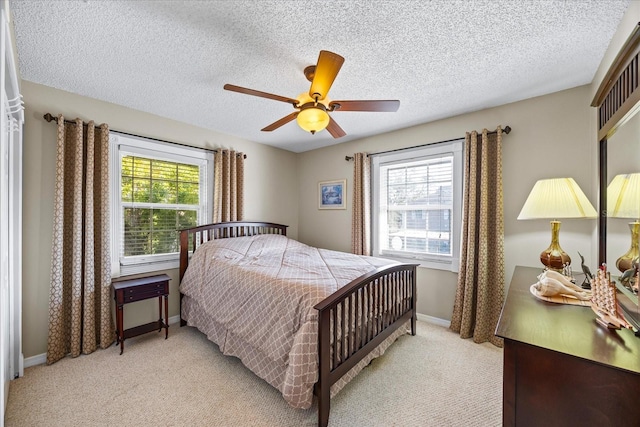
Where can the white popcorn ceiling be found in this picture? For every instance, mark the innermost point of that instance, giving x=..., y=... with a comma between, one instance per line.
x=440, y=58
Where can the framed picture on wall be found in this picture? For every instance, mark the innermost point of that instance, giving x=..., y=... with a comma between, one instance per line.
x=332, y=194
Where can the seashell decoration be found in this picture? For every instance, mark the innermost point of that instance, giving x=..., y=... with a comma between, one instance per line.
x=551, y=283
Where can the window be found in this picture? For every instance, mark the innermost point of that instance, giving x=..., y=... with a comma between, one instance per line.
x=156, y=189
x=417, y=199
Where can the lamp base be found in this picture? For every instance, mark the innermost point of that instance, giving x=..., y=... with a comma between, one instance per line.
x=554, y=258
x=625, y=262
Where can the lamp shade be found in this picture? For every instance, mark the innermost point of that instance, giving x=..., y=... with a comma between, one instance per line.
x=557, y=198
x=623, y=196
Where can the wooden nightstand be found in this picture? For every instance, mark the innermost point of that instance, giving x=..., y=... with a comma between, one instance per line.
x=132, y=290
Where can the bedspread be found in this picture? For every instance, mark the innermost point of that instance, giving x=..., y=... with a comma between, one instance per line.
x=261, y=290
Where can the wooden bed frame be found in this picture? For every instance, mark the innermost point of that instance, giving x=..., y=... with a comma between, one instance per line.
x=392, y=289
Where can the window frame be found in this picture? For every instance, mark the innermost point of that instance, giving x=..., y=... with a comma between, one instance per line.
x=121, y=145
x=455, y=148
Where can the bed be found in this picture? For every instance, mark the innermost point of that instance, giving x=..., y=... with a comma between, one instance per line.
x=306, y=320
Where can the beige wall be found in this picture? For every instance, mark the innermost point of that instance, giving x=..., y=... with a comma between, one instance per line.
x=563, y=116
x=551, y=137
x=269, y=174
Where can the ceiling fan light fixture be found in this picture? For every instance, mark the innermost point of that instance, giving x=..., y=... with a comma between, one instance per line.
x=313, y=117
x=312, y=108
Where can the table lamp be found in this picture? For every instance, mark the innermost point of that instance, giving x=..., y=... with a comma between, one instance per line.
x=556, y=198
x=623, y=201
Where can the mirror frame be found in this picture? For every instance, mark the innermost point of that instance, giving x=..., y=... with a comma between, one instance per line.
x=617, y=100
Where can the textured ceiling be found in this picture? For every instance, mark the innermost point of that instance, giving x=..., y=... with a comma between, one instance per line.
x=440, y=58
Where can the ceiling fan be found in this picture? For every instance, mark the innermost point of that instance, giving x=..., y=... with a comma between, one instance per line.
x=313, y=108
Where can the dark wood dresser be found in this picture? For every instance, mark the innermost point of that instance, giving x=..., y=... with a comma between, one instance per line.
x=560, y=367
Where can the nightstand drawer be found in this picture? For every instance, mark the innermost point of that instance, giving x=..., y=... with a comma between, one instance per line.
x=145, y=291
x=141, y=288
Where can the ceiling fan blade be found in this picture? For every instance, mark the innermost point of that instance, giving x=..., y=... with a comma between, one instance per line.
x=282, y=121
x=253, y=92
x=334, y=129
x=329, y=64
x=382, y=105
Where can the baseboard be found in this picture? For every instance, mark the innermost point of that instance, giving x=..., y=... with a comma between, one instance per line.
x=434, y=320
x=38, y=359
x=21, y=365
x=41, y=359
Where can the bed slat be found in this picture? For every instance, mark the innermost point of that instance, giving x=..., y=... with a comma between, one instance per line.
x=379, y=303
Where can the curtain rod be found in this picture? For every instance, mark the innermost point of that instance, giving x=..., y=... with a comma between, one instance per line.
x=49, y=118
x=507, y=130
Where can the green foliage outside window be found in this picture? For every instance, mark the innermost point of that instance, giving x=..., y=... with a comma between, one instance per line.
x=173, y=187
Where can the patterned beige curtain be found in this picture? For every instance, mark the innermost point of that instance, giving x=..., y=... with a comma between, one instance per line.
x=480, y=291
x=228, y=191
x=80, y=304
x=361, y=215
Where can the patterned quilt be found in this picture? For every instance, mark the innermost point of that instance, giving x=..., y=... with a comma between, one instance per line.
x=260, y=291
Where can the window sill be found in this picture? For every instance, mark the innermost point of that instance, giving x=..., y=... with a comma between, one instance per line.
x=446, y=265
x=127, y=270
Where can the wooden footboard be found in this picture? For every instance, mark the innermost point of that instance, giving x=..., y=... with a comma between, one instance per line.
x=356, y=319
x=351, y=322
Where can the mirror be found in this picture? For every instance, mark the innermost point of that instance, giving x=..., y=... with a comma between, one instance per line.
x=623, y=157
x=618, y=104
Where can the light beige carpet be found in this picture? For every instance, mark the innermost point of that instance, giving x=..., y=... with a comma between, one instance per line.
x=432, y=379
